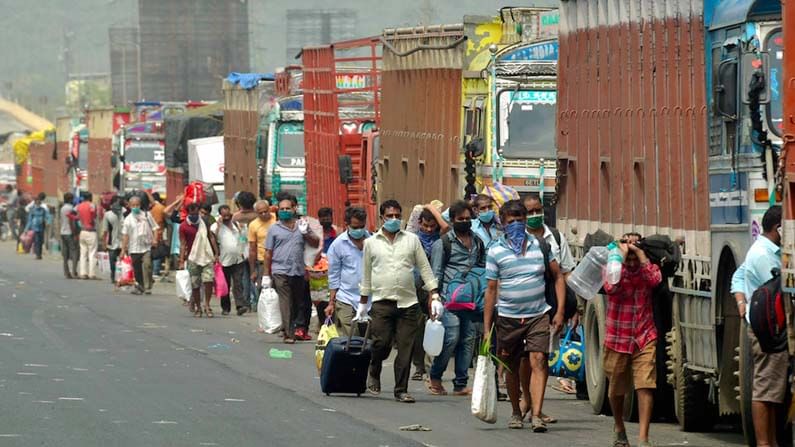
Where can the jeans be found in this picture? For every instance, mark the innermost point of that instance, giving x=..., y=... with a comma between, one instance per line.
x=70, y=254
x=142, y=267
x=156, y=265
x=235, y=280
x=389, y=324
x=459, y=342
x=38, y=241
x=88, y=253
x=113, y=257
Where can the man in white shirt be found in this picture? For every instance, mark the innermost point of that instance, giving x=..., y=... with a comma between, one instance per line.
x=138, y=238
x=388, y=262
x=230, y=239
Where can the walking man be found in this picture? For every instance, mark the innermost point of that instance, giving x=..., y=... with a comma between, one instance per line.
x=87, y=213
x=257, y=234
x=345, y=270
x=69, y=236
x=284, y=267
x=111, y=228
x=770, y=369
x=388, y=262
x=515, y=268
x=244, y=201
x=37, y=218
x=458, y=254
x=227, y=234
x=138, y=236
x=631, y=338
x=198, y=247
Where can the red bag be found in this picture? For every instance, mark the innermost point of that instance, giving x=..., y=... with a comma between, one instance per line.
x=27, y=240
x=221, y=287
x=124, y=270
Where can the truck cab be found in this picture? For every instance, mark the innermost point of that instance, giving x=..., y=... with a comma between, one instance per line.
x=285, y=161
x=141, y=153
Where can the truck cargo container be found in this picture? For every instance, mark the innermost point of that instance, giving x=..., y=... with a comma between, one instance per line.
x=654, y=136
x=206, y=164
x=342, y=112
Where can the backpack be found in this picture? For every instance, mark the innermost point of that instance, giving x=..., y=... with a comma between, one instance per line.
x=768, y=320
x=663, y=252
x=549, y=291
x=465, y=290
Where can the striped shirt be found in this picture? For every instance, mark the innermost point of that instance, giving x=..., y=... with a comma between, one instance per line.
x=521, y=278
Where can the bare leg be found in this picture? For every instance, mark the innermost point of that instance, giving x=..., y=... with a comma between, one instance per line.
x=617, y=405
x=538, y=380
x=524, y=381
x=512, y=382
x=195, y=300
x=208, y=293
x=645, y=407
x=762, y=425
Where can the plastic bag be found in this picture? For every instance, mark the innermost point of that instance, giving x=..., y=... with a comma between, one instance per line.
x=124, y=270
x=103, y=262
x=221, y=287
x=326, y=333
x=26, y=240
x=567, y=360
x=484, y=391
x=268, y=313
x=184, y=289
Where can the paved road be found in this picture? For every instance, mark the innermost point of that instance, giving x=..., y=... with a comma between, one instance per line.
x=82, y=365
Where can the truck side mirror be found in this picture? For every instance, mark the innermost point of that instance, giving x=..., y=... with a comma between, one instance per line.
x=755, y=64
x=346, y=169
x=726, y=89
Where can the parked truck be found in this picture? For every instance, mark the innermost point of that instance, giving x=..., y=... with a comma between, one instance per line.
x=342, y=112
x=655, y=134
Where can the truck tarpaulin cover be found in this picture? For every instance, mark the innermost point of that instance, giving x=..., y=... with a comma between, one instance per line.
x=249, y=80
x=180, y=129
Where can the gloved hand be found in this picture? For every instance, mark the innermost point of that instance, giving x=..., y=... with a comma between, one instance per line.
x=437, y=308
x=361, y=313
x=303, y=226
x=266, y=282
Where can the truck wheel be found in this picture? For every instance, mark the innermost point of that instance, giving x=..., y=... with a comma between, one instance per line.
x=692, y=407
x=746, y=370
x=594, y=336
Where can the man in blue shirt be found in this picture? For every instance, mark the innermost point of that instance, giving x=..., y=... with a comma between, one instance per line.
x=770, y=370
x=38, y=217
x=345, y=270
x=515, y=268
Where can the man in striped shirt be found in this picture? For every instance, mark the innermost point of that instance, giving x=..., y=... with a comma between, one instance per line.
x=515, y=268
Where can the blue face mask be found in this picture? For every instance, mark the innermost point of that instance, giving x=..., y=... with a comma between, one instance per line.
x=516, y=234
x=392, y=225
x=427, y=240
x=357, y=233
x=486, y=216
x=285, y=214
x=135, y=210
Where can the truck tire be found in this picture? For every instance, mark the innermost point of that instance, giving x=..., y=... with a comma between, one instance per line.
x=594, y=373
x=692, y=407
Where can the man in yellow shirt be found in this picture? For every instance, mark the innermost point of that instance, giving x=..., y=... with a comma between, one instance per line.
x=257, y=233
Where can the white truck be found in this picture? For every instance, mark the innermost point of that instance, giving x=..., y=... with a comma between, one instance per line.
x=206, y=164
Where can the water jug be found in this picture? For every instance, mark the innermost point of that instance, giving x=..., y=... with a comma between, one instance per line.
x=587, y=279
x=434, y=337
x=614, y=262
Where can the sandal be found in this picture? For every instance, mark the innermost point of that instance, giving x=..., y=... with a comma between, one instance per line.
x=516, y=422
x=418, y=376
x=197, y=313
x=548, y=419
x=209, y=312
x=405, y=398
x=620, y=439
x=538, y=425
x=374, y=386
x=436, y=390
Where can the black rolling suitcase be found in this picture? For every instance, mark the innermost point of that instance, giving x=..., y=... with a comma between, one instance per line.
x=345, y=363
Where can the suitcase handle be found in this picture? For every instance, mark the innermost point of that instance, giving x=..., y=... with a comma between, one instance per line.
x=355, y=322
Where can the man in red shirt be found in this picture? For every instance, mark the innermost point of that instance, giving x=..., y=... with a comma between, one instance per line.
x=631, y=338
x=87, y=216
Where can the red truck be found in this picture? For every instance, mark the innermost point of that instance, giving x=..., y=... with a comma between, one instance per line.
x=342, y=112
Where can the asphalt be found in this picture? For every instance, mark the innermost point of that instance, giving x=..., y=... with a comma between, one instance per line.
x=82, y=364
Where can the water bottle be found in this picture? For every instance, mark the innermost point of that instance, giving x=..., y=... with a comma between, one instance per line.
x=586, y=280
x=614, y=262
x=434, y=337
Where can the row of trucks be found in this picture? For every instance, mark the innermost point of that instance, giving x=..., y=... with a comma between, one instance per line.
x=636, y=116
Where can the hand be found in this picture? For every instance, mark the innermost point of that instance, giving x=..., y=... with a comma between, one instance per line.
x=623, y=247
x=575, y=321
x=266, y=282
x=557, y=322
x=741, y=308
x=361, y=313
x=330, y=309
x=437, y=309
x=303, y=226
x=122, y=254
x=254, y=275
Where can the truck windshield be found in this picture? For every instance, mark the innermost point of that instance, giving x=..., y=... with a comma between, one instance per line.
x=775, y=47
x=291, y=149
x=144, y=156
x=527, y=123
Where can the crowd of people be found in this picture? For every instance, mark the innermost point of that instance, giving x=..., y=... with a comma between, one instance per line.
x=397, y=278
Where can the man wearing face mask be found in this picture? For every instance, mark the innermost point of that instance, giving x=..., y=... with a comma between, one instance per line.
x=284, y=267
x=515, y=269
x=486, y=226
x=198, y=247
x=138, y=238
x=345, y=270
x=388, y=262
x=227, y=234
x=330, y=231
x=457, y=253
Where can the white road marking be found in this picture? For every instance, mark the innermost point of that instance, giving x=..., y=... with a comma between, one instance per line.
x=57, y=380
x=234, y=400
x=35, y=365
x=26, y=374
x=79, y=369
x=10, y=435
x=43, y=402
x=165, y=422
x=71, y=398
x=330, y=410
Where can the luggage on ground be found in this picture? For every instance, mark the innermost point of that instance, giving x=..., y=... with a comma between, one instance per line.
x=328, y=332
x=346, y=362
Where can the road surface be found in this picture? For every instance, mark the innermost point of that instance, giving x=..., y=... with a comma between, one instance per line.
x=84, y=365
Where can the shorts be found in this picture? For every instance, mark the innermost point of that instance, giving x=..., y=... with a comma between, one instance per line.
x=640, y=367
x=200, y=274
x=770, y=373
x=517, y=336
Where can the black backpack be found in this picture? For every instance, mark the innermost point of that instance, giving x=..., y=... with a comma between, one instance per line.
x=768, y=319
x=663, y=252
x=549, y=291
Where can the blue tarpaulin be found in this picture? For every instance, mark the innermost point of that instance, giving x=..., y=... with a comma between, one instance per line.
x=248, y=80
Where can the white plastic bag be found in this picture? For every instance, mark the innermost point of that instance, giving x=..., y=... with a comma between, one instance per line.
x=268, y=313
x=184, y=289
x=484, y=391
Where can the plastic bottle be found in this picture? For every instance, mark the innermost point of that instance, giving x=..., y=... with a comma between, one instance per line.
x=614, y=262
x=434, y=337
x=280, y=354
x=586, y=280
